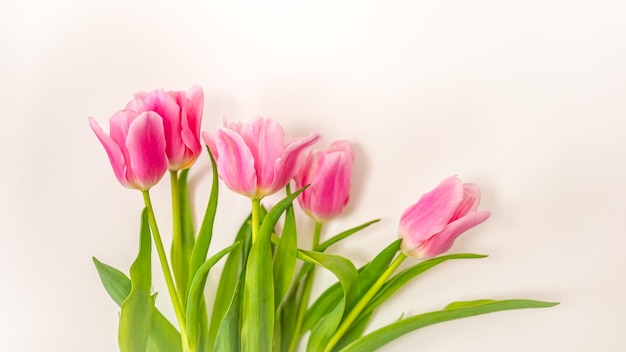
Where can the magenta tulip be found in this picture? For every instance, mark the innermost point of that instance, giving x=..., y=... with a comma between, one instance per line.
x=253, y=159
x=328, y=173
x=429, y=227
x=136, y=147
x=182, y=115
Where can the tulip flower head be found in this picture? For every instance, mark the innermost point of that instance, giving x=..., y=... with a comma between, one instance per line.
x=182, y=115
x=253, y=159
x=136, y=147
x=328, y=173
x=429, y=227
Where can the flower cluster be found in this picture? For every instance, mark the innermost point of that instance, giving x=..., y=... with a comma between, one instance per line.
x=263, y=299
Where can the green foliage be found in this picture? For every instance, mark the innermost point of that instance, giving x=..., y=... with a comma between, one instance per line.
x=138, y=307
x=378, y=338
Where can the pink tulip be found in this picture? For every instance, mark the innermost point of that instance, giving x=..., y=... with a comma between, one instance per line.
x=429, y=227
x=328, y=174
x=253, y=159
x=182, y=116
x=136, y=147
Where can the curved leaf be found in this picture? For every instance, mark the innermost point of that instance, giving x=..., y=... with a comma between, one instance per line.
x=347, y=274
x=138, y=307
x=258, y=292
x=163, y=335
x=378, y=338
x=195, y=296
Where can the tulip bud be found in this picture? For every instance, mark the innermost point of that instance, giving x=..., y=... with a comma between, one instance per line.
x=430, y=226
x=328, y=173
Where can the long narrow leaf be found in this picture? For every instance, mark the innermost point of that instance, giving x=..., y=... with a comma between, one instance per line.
x=367, y=276
x=138, y=307
x=380, y=337
x=163, y=335
x=258, y=292
x=400, y=279
x=226, y=287
x=227, y=337
x=196, y=290
x=201, y=247
x=285, y=258
x=324, y=245
x=187, y=235
x=347, y=275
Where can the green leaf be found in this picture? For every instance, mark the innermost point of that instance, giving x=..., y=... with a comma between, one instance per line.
x=380, y=337
x=258, y=292
x=400, y=279
x=116, y=283
x=163, y=335
x=183, y=234
x=195, y=296
x=138, y=307
x=285, y=258
x=367, y=276
x=228, y=338
x=356, y=331
x=463, y=304
x=226, y=287
x=201, y=247
x=324, y=245
x=288, y=314
x=347, y=275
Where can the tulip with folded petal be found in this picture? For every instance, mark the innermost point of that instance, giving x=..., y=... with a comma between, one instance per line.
x=135, y=146
x=182, y=115
x=430, y=226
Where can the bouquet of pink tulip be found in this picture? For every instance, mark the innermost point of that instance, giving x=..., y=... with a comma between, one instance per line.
x=263, y=300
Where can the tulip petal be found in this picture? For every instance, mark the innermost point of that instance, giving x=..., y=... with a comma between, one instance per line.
x=444, y=240
x=165, y=105
x=115, y=154
x=471, y=199
x=210, y=142
x=431, y=213
x=265, y=139
x=146, y=147
x=236, y=162
x=343, y=146
x=285, y=167
x=330, y=186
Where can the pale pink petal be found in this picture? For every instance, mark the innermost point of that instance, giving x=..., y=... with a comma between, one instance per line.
x=444, y=240
x=210, y=142
x=265, y=139
x=196, y=108
x=119, y=124
x=343, y=146
x=116, y=157
x=285, y=167
x=146, y=148
x=471, y=199
x=191, y=122
x=432, y=212
x=235, y=162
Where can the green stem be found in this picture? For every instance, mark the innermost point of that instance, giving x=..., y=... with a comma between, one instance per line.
x=178, y=265
x=256, y=223
x=306, y=293
x=166, y=271
x=316, y=235
x=363, y=302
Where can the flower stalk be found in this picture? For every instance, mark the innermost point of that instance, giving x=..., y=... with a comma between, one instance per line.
x=171, y=288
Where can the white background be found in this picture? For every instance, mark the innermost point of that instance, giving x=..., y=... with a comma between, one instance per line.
x=524, y=98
